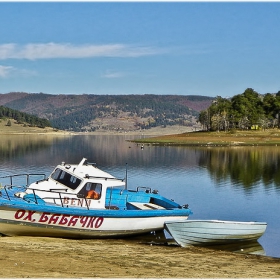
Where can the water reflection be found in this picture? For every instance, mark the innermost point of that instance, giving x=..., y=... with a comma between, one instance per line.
x=12, y=146
x=246, y=166
x=17, y=152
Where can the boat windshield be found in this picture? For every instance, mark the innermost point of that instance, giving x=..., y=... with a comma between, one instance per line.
x=65, y=178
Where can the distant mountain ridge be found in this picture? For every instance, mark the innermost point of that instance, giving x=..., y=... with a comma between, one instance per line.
x=89, y=112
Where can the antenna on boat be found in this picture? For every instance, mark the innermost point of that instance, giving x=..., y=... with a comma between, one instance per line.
x=126, y=176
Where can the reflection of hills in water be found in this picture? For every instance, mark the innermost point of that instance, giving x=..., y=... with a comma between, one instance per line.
x=246, y=165
x=243, y=166
x=118, y=150
x=12, y=146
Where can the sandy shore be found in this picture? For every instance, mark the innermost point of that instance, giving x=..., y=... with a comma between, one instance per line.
x=168, y=130
x=156, y=131
x=39, y=257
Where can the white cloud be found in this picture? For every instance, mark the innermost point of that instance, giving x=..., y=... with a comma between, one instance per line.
x=5, y=71
x=8, y=71
x=113, y=74
x=53, y=50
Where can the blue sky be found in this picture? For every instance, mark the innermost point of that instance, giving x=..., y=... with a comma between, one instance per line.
x=184, y=48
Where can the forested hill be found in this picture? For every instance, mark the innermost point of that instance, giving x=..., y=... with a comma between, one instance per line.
x=90, y=112
x=22, y=118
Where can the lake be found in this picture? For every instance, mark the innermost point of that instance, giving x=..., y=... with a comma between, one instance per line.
x=239, y=183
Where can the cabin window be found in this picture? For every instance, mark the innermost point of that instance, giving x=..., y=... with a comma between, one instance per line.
x=66, y=179
x=92, y=190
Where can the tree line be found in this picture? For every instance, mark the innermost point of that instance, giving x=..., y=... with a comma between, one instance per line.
x=89, y=112
x=23, y=118
x=155, y=110
x=249, y=110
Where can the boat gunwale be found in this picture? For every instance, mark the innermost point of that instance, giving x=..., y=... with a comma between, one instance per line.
x=219, y=221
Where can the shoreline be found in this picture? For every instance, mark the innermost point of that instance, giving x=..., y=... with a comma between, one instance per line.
x=43, y=257
x=50, y=131
x=270, y=137
x=176, y=136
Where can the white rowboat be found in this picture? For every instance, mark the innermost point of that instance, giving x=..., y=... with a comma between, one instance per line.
x=207, y=232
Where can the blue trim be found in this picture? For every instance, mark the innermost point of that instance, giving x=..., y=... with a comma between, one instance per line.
x=114, y=197
x=92, y=212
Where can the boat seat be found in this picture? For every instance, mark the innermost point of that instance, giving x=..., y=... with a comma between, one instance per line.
x=146, y=206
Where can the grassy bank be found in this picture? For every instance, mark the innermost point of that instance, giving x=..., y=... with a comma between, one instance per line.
x=15, y=128
x=233, y=138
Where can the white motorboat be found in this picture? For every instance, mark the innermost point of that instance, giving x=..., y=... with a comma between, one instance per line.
x=82, y=201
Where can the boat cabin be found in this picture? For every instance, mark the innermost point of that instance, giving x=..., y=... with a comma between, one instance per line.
x=76, y=185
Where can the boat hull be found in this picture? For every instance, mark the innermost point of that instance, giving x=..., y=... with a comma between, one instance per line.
x=207, y=232
x=20, y=222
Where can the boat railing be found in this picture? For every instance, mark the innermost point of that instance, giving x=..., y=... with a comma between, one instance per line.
x=34, y=195
x=5, y=190
x=81, y=200
x=59, y=200
x=146, y=189
x=8, y=187
x=105, y=178
x=59, y=197
x=27, y=177
x=110, y=203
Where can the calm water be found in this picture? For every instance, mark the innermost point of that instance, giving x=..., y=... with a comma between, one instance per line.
x=241, y=183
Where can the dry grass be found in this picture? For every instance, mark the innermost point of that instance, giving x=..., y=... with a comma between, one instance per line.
x=16, y=128
x=233, y=138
